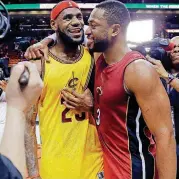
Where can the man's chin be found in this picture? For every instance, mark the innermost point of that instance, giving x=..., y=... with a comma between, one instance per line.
x=100, y=46
x=78, y=41
x=71, y=40
x=97, y=50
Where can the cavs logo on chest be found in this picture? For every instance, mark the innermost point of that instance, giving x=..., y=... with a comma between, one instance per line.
x=73, y=82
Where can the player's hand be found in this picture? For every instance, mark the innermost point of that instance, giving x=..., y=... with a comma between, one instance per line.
x=80, y=102
x=37, y=51
x=158, y=66
x=23, y=99
x=3, y=85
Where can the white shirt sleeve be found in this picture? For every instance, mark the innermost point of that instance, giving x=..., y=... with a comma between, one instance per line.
x=53, y=37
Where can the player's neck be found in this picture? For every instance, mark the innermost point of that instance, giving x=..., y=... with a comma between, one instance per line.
x=64, y=53
x=62, y=47
x=116, y=52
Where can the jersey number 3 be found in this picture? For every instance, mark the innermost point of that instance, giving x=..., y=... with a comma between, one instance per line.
x=77, y=116
x=98, y=117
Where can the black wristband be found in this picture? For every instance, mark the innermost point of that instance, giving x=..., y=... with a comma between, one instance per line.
x=170, y=78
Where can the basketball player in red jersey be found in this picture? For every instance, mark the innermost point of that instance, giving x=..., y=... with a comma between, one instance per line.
x=130, y=102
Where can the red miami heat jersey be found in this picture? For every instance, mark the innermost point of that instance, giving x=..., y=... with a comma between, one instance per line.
x=128, y=146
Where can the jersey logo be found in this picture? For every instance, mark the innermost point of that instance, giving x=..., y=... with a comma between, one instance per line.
x=72, y=83
x=99, y=91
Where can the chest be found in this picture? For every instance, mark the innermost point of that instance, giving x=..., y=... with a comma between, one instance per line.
x=109, y=86
x=58, y=75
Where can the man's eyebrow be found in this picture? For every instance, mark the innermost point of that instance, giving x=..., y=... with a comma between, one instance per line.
x=67, y=15
x=71, y=15
x=92, y=21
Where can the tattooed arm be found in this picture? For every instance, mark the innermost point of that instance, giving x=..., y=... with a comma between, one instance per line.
x=18, y=103
x=31, y=143
x=30, y=137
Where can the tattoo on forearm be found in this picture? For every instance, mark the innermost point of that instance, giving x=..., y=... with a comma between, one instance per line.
x=31, y=143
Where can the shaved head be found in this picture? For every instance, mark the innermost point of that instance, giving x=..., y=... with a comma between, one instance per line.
x=175, y=40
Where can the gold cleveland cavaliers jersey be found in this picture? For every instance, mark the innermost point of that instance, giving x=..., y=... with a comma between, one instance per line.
x=70, y=145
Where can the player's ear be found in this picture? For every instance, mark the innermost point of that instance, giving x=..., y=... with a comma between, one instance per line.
x=115, y=30
x=53, y=25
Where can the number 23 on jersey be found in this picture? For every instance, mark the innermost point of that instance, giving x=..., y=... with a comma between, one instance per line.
x=78, y=117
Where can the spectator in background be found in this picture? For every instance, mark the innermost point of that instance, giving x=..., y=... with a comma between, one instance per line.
x=171, y=84
x=12, y=152
x=171, y=77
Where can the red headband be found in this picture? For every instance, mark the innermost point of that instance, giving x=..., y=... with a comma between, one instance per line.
x=62, y=6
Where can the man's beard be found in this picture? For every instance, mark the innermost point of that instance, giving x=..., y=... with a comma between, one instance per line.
x=100, y=45
x=68, y=41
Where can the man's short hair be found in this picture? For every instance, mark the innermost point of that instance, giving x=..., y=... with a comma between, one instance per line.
x=115, y=13
x=175, y=40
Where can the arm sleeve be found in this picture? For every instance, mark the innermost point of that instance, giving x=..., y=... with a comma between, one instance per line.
x=8, y=170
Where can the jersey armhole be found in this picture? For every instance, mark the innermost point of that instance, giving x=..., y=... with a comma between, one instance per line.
x=126, y=89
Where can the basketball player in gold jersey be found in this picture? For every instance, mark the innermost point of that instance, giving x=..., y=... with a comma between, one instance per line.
x=70, y=146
